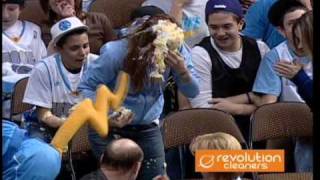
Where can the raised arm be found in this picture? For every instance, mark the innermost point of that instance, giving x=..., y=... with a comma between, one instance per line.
x=183, y=72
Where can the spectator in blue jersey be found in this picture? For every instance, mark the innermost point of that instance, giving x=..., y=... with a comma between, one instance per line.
x=258, y=25
x=24, y=157
x=302, y=36
x=268, y=83
x=269, y=86
x=53, y=82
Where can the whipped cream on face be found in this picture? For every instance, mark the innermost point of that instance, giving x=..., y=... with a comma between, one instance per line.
x=169, y=37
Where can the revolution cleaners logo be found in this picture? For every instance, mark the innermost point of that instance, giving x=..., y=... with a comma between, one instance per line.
x=240, y=161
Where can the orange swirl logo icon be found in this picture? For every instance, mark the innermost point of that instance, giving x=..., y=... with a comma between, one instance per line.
x=206, y=161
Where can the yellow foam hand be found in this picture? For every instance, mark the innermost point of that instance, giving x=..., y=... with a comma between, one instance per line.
x=94, y=114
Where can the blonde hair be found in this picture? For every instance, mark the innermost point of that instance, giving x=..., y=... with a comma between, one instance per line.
x=305, y=25
x=217, y=140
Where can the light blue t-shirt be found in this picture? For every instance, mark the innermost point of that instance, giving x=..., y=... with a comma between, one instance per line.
x=146, y=105
x=267, y=80
x=258, y=25
x=24, y=156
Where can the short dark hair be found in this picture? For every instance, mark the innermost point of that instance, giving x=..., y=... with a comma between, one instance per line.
x=121, y=160
x=64, y=38
x=280, y=8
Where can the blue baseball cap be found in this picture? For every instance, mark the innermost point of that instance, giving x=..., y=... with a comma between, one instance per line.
x=232, y=6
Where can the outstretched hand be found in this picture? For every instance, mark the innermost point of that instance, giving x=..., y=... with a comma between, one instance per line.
x=121, y=119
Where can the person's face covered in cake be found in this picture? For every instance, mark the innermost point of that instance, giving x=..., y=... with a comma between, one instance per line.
x=153, y=47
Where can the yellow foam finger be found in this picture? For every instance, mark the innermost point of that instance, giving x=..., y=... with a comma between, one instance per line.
x=94, y=114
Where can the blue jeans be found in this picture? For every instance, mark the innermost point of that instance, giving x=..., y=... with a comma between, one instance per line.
x=149, y=139
x=303, y=154
x=27, y=158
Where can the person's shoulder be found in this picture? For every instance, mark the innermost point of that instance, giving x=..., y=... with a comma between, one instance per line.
x=271, y=55
x=32, y=25
x=249, y=39
x=116, y=46
x=45, y=64
x=198, y=49
x=92, y=57
x=200, y=55
x=262, y=45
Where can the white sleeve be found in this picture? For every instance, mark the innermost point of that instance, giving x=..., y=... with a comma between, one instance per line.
x=43, y=49
x=38, y=91
x=263, y=48
x=41, y=46
x=39, y=49
x=202, y=64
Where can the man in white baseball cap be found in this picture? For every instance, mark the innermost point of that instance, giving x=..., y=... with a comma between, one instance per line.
x=52, y=86
x=66, y=26
x=52, y=89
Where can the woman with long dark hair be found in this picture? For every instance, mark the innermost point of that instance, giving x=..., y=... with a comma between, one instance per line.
x=148, y=55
